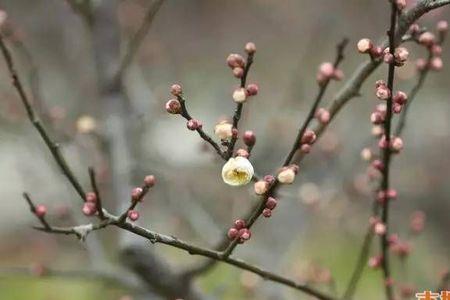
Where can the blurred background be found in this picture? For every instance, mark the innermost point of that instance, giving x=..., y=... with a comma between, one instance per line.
x=316, y=231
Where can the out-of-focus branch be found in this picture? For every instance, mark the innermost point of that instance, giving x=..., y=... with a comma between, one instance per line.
x=138, y=37
x=52, y=146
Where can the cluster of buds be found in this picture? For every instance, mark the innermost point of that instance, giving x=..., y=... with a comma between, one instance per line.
x=323, y=116
x=308, y=139
x=239, y=67
x=173, y=106
x=90, y=204
x=432, y=43
x=399, y=58
x=239, y=231
x=395, y=144
x=287, y=174
x=271, y=203
x=399, y=101
x=327, y=72
x=383, y=196
x=138, y=193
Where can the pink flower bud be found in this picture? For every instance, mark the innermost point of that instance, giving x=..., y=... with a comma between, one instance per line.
x=414, y=28
x=91, y=197
x=239, y=224
x=149, y=181
x=238, y=72
x=286, y=175
x=364, y=45
x=338, y=74
x=271, y=203
x=436, y=50
x=396, y=144
x=89, y=209
x=326, y=71
x=261, y=187
x=252, y=89
x=442, y=26
x=401, y=56
x=249, y=138
x=309, y=137
x=194, y=124
x=250, y=48
x=427, y=39
x=136, y=194
x=242, y=152
x=382, y=143
x=305, y=148
x=269, y=179
x=393, y=238
x=400, y=98
x=176, y=90
x=383, y=92
x=267, y=213
x=379, y=229
x=380, y=83
x=235, y=60
x=232, y=233
x=391, y=194
x=40, y=211
x=377, y=117
x=133, y=215
x=376, y=52
x=245, y=234
x=375, y=262
x=436, y=64
x=173, y=106
x=323, y=115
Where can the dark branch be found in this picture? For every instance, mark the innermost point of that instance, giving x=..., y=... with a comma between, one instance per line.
x=94, y=185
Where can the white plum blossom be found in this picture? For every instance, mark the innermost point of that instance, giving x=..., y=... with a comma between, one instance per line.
x=237, y=171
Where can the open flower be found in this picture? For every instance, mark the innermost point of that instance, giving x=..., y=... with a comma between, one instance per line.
x=237, y=171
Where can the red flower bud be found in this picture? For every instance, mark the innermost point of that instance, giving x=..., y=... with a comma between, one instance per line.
x=133, y=215
x=249, y=138
x=41, y=210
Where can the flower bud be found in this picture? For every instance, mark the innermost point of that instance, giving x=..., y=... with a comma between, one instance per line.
x=249, y=138
x=267, y=213
x=223, y=130
x=250, y=48
x=382, y=143
x=401, y=4
x=388, y=58
x=149, y=181
x=232, y=233
x=366, y=154
x=378, y=164
x=239, y=224
x=91, y=197
x=377, y=117
x=391, y=194
x=401, y=56
x=245, y=234
x=40, y=210
x=237, y=171
x=379, y=228
x=194, y=124
x=377, y=130
x=427, y=39
x=305, y=148
x=89, y=209
x=436, y=50
x=235, y=60
x=400, y=98
x=397, y=108
x=364, y=45
x=238, y=72
x=375, y=262
x=261, y=187
x=323, y=115
x=309, y=137
x=414, y=28
x=133, y=215
x=269, y=179
x=383, y=92
x=286, y=175
x=136, y=194
x=176, y=90
x=421, y=64
x=252, y=89
x=396, y=144
x=271, y=203
x=240, y=95
x=376, y=52
x=338, y=74
x=173, y=106
x=436, y=64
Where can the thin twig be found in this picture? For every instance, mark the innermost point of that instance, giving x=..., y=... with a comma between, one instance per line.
x=239, y=106
x=385, y=264
x=52, y=146
x=138, y=37
x=98, y=201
